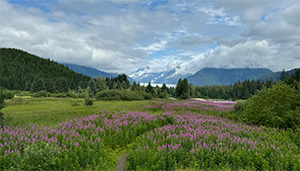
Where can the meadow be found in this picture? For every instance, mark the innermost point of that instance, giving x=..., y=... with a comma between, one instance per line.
x=64, y=134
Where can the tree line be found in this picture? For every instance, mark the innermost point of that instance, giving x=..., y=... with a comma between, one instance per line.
x=239, y=90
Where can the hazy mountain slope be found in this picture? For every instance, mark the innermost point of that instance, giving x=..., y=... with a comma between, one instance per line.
x=214, y=76
x=274, y=76
x=92, y=72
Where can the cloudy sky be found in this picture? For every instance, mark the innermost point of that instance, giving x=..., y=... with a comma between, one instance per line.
x=124, y=35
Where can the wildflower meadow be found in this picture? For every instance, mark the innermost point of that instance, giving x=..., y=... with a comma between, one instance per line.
x=176, y=139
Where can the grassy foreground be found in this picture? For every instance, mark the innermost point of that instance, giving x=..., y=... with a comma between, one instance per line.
x=64, y=134
x=51, y=111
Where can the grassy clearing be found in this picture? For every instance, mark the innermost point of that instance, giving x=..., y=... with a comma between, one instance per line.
x=50, y=111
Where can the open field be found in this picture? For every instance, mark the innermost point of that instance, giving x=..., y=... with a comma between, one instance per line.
x=51, y=111
x=156, y=135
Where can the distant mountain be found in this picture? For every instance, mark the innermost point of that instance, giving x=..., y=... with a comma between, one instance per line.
x=92, y=72
x=274, y=76
x=214, y=76
x=144, y=75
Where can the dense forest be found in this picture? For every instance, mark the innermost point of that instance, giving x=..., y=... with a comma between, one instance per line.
x=20, y=70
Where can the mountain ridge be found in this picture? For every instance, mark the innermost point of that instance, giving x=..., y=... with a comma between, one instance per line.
x=92, y=72
x=222, y=76
x=145, y=75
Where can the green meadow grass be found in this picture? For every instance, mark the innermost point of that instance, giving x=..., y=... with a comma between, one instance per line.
x=51, y=111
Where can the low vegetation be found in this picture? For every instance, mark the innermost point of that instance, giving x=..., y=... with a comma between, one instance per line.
x=186, y=135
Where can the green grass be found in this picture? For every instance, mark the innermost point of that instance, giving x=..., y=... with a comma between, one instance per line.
x=51, y=111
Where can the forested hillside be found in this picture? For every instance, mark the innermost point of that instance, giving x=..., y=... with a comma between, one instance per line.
x=20, y=70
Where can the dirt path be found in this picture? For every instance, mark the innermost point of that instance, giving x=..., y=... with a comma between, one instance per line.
x=121, y=163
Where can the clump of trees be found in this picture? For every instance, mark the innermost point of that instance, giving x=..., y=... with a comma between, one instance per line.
x=182, y=89
x=278, y=106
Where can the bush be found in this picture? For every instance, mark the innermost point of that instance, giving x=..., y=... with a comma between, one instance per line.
x=8, y=94
x=275, y=107
x=60, y=95
x=109, y=95
x=88, y=102
x=122, y=95
x=41, y=94
x=1, y=106
x=239, y=108
x=39, y=156
x=75, y=104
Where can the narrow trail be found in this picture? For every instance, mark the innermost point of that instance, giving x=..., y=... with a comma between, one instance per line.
x=121, y=162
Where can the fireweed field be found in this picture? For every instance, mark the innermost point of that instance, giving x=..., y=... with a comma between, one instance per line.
x=187, y=135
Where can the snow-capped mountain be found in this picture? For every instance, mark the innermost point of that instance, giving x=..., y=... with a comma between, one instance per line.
x=146, y=74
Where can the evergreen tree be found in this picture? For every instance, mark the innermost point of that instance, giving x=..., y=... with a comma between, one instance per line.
x=182, y=89
x=92, y=86
x=149, y=89
x=116, y=85
x=164, y=88
x=178, y=91
x=124, y=85
x=134, y=86
x=28, y=85
x=61, y=85
x=101, y=83
x=38, y=85
x=283, y=75
x=80, y=92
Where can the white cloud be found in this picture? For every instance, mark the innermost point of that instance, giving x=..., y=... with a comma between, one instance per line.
x=120, y=35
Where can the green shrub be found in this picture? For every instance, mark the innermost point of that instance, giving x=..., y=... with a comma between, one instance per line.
x=146, y=96
x=8, y=94
x=75, y=104
x=109, y=95
x=239, y=108
x=122, y=95
x=275, y=107
x=72, y=94
x=39, y=156
x=60, y=95
x=41, y=94
x=88, y=102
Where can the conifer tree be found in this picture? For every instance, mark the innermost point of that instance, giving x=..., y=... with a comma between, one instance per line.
x=92, y=86
x=101, y=83
x=182, y=89
x=61, y=85
x=149, y=89
x=38, y=85
x=28, y=85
